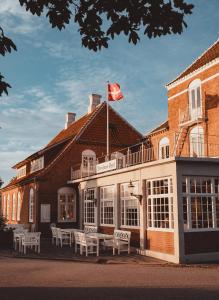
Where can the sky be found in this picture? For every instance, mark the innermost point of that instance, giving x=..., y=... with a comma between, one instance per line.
x=52, y=74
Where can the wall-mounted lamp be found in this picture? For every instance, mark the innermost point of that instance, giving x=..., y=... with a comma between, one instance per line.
x=131, y=192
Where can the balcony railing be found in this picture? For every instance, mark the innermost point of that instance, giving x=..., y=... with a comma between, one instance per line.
x=139, y=154
x=187, y=116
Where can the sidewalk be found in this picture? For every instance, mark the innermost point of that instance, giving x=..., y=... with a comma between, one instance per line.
x=52, y=252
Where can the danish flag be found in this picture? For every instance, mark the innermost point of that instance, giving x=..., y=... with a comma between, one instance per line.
x=114, y=92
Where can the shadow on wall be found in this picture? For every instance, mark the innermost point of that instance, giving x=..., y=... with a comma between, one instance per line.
x=212, y=101
x=99, y=293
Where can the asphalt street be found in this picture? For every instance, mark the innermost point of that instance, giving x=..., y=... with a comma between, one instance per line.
x=26, y=279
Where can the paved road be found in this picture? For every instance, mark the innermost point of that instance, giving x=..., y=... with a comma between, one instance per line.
x=23, y=279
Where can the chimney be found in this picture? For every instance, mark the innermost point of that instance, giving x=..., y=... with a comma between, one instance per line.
x=94, y=102
x=70, y=118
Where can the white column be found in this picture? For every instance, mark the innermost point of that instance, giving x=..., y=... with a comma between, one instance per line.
x=81, y=207
x=143, y=215
x=117, y=215
x=97, y=208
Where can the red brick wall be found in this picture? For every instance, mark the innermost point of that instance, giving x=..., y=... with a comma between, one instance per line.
x=201, y=242
x=160, y=241
x=106, y=230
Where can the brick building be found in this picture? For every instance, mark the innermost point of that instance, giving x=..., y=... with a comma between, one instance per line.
x=173, y=212
x=39, y=194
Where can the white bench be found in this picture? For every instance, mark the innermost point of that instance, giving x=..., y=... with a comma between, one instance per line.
x=121, y=241
x=90, y=229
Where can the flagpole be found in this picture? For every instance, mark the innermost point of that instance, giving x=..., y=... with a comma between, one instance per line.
x=107, y=122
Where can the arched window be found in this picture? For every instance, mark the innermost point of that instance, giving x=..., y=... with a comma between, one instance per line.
x=13, y=213
x=18, y=206
x=195, y=103
x=31, y=204
x=196, y=139
x=120, y=158
x=88, y=161
x=164, y=148
x=66, y=205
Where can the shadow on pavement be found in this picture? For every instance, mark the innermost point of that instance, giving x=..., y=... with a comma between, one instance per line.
x=61, y=293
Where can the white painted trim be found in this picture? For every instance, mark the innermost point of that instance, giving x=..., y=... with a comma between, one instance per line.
x=178, y=94
x=186, y=90
x=159, y=255
x=192, y=74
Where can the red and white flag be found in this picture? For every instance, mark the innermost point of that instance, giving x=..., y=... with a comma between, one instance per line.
x=114, y=92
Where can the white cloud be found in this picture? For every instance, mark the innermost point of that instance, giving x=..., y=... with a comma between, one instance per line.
x=16, y=19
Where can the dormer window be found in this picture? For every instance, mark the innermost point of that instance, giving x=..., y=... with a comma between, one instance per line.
x=164, y=148
x=88, y=161
x=37, y=164
x=21, y=172
x=195, y=105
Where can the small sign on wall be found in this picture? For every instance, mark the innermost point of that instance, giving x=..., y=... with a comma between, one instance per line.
x=106, y=166
x=45, y=213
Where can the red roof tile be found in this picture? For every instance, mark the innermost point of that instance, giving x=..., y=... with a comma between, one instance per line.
x=209, y=55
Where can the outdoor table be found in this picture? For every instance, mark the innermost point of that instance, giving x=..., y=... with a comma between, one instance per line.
x=99, y=236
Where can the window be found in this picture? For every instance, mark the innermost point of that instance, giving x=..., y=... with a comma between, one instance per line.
x=4, y=207
x=160, y=204
x=21, y=172
x=45, y=213
x=8, y=207
x=89, y=206
x=88, y=161
x=37, y=164
x=66, y=205
x=18, y=206
x=164, y=148
x=13, y=213
x=195, y=106
x=200, y=203
x=196, y=138
x=31, y=204
x=107, y=205
x=130, y=207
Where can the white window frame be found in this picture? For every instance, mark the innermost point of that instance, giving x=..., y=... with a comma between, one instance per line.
x=37, y=164
x=4, y=207
x=8, y=207
x=196, y=141
x=155, y=192
x=195, y=99
x=213, y=193
x=67, y=192
x=31, y=205
x=18, y=206
x=88, y=161
x=90, y=196
x=164, y=148
x=125, y=201
x=22, y=171
x=13, y=213
x=107, y=201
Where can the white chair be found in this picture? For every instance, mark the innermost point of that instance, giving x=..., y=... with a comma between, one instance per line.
x=88, y=244
x=17, y=235
x=90, y=229
x=121, y=241
x=63, y=237
x=30, y=240
x=33, y=227
x=54, y=235
x=77, y=238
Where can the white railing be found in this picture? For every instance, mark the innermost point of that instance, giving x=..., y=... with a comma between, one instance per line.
x=126, y=160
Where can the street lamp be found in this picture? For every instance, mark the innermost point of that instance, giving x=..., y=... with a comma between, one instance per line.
x=131, y=192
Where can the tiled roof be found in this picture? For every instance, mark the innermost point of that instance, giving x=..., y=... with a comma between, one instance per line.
x=209, y=55
x=62, y=136
x=16, y=181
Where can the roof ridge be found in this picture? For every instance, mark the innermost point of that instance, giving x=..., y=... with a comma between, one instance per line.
x=199, y=57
